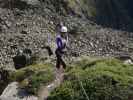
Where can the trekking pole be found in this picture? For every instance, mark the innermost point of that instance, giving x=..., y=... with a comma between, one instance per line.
x=49, y=39
x=82, y=87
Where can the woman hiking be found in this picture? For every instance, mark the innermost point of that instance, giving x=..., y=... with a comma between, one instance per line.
x=61, y=41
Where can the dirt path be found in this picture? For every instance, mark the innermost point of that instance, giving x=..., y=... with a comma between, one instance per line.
x=45, y=90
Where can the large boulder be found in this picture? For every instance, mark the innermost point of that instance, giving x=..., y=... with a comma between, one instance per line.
x=3, y=74
x=13, y=92
x=23, y=59
x=124, y=57
x=4, y=79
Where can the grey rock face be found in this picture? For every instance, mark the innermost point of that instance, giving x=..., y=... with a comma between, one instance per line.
x=13, y=92
x=29, y=28
x=32, y=2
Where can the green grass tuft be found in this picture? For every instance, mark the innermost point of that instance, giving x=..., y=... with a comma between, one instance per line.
x=105, y=79
x=32, y=77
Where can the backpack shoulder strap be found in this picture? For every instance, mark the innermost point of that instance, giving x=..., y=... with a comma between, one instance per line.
x=59, y=41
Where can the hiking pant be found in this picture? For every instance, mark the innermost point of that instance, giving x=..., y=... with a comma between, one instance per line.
x=59, y=60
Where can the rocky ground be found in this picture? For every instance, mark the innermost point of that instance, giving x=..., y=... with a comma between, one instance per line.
x=31, y=27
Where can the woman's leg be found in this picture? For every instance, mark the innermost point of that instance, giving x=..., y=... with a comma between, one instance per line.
x=58, y=63
x=63, y=63
x=57, y=52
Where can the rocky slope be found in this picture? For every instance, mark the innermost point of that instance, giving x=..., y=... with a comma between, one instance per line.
x=26, y=24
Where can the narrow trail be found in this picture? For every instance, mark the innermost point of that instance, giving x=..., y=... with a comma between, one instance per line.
x=46, y=90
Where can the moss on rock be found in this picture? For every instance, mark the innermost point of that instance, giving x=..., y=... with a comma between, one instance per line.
x=32, y=77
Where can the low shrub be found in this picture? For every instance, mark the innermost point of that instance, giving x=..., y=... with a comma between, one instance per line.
x=32, y=77
x=106, y=79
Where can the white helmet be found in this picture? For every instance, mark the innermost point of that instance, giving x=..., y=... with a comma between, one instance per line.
x=20, y=52
x=63, y=29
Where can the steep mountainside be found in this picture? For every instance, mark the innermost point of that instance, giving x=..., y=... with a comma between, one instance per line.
x=28, y=24
x=117, y=14
x=110, y=13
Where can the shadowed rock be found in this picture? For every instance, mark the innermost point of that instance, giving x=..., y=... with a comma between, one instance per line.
x=22, y=59
x=13, y=92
